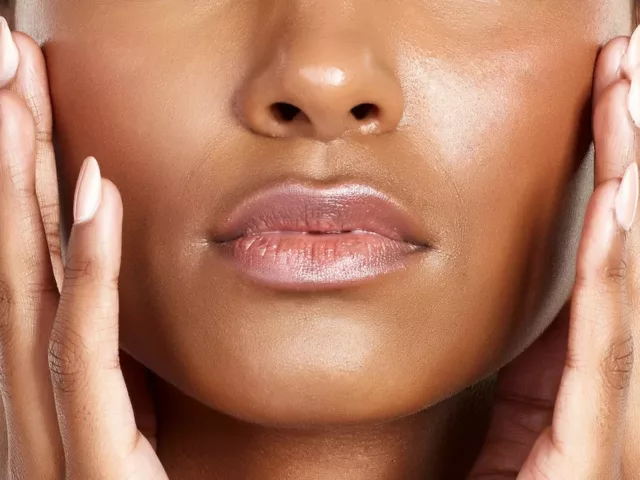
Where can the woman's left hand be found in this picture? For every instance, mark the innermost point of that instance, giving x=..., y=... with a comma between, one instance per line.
x=66, y=410
x=569, y=407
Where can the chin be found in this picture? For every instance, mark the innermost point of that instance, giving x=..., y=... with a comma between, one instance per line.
x=339, y=373
x=300, y=400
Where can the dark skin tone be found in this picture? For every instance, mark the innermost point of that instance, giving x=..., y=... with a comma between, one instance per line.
x=359, y=383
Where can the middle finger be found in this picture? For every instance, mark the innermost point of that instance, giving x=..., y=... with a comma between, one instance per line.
x=28, y=299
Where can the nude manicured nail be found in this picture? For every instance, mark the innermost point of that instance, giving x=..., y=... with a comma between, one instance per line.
x=627, y=198
x=633, y=99
x=631, y=58
x=9, y=56
x=88, y=191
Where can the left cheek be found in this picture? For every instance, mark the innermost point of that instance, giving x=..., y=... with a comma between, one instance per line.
x=524, y=135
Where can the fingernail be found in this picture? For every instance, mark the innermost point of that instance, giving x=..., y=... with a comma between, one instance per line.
x=633, y=99
x=627, y=197
x=88, y=191
x=9, y=56
x=631, y=58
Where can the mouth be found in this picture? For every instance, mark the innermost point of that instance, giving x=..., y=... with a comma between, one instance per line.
x=295, y=237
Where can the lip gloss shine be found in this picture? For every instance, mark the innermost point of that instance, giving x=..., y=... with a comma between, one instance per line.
x=295, y=237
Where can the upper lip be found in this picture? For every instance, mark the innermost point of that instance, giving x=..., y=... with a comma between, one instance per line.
x=295, y=207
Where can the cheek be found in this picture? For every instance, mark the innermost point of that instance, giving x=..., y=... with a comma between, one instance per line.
x=507, y=131
x=143, y=109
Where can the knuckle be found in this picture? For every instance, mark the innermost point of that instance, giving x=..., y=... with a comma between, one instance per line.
x=89, y=271
x=55, y=246
x=616, y=273
x=617, y=364
x=42, y=136
x=68, y=360
x=85, y=270
x=610, y=278
x=50, y=212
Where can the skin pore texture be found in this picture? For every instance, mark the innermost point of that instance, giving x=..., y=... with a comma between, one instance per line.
x=478, y=129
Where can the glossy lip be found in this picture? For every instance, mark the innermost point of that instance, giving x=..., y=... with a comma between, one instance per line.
x=297, y=237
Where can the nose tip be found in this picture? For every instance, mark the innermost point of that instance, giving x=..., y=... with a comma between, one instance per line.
x=324, y=97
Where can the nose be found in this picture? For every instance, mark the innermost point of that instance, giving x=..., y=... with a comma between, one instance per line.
x=323, y=90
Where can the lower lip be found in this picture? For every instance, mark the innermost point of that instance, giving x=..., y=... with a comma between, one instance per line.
x=301, y=261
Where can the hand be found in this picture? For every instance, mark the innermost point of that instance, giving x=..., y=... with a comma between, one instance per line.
x=67, y=410
x=569, y=407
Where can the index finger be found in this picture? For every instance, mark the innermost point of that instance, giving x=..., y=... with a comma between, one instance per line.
x=95, y=414
x=585, y=437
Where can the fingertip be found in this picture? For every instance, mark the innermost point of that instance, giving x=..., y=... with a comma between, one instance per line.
x=97, y=200
x=613, y=132
x=611, y=107
x=609, y=65
x=631, y=58
x=601, y=246
x=98, y=239
x=109, y=224
x=88, y=193
x=626, y=202
x=26, y=44
x=111, y=192
x=31, y=58
x=31, y=82
x=111, y=201
x=105, y=204
x=9, y=55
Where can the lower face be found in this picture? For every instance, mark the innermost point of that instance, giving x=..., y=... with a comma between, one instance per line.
x=494, y=102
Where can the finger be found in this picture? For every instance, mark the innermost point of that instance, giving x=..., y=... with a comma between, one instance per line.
x=585, y=440
x=32, y=85
x=523, y=403
x=28, y=300
x=627, y=149
x=94, y=410
x=613, y=133
x=608, y=65
x=9, y=58
x=631, y=57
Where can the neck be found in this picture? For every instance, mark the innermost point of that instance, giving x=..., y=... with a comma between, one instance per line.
x=439, y=442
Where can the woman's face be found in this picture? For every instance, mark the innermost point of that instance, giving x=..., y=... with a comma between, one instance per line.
x=472, y=119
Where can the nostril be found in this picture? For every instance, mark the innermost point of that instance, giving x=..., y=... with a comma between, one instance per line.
x=365, y=111
x=285, y=112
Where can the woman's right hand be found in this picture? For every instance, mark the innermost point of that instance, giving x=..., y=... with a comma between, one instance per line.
x=67, y=410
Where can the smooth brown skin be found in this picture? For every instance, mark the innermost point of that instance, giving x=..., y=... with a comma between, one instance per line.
x=495, y=126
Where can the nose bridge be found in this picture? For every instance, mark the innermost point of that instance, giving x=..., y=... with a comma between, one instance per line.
x=322, y=78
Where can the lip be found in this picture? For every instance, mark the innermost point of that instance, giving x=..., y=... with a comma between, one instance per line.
x=297, y=237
